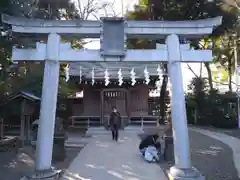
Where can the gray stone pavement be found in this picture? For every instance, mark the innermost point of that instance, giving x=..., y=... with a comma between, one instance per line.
x=104, y=159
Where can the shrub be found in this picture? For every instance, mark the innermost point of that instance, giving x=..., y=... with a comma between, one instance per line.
x=210, y=108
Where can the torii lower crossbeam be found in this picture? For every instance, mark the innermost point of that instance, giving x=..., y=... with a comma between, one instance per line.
x=67, y=54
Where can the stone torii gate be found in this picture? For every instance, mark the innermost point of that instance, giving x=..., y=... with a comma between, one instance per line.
x=113, y=32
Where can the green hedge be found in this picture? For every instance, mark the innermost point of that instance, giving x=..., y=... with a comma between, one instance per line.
x=214, y=109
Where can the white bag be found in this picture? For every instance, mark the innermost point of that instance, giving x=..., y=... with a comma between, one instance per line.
x=148, y=157
x=151, y=154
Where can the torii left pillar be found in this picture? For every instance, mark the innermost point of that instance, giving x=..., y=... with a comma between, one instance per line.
x=45, y=135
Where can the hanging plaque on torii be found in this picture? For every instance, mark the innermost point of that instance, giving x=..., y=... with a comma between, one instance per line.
x=112, y=37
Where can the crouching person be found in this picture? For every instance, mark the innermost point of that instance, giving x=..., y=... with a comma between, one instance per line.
x=150, y=148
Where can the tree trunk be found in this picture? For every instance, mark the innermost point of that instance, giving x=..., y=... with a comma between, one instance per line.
x=168, y=131
x=196, y=116
x=1, y=128
x=201, y=67
x=230, y=84
x=229, y=76
x=210, y=81
x=162, y=102
x=230, y=70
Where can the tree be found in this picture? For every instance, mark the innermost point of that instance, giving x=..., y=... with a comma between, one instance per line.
x=224, y=55
x=29, y=76
x=5, y=52
x=234, y=3
x=198, y=88
x=184, y=10
x=220, y=75
x=89, y=9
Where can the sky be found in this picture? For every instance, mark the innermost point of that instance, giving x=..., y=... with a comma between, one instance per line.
x=117, y=9
x=128, y=5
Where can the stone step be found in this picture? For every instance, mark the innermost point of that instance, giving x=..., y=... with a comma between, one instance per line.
x=97, y=132
x=102, y=131
x=76, y=142
x=74, y=145
x=134, y=129
x=79, y=139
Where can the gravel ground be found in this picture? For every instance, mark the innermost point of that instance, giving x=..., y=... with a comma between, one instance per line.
x=211, y=157
x=14, y=166
x=235, y=133
x=230, y=132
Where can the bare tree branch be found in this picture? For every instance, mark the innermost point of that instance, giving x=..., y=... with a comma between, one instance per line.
x=92, y=9
x=189, y=67
x=80, y=8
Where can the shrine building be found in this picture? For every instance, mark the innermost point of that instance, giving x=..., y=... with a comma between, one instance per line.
x=93, y=102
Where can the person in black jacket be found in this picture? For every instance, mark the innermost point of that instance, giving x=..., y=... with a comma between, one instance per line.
x=115, y=123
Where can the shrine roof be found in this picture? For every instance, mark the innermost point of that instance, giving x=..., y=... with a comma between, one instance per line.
x=24, y=95
x=113, y=68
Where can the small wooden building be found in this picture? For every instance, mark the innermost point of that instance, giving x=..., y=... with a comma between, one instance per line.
x=92, y=104
x=19, y=111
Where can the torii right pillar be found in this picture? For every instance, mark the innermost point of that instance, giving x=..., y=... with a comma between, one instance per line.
x=182, y=170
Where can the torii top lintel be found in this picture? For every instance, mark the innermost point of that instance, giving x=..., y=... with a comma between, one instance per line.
x=132, y=29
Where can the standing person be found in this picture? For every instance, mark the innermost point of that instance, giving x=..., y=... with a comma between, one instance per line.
x=115, y=123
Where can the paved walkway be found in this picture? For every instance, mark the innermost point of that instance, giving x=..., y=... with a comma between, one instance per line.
x=232, y=142
x=104, y=159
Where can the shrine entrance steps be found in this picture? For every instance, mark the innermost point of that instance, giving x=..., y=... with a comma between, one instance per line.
x=93, y=123
x=133, y=125
x=83, y=122
x=75, y=140
x=93, y=131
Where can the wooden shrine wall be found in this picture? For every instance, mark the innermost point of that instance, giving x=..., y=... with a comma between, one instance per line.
x=115, y=98
x=139, y=100
x=90, y=105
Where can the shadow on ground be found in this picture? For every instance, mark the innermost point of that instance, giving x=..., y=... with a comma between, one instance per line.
x=14, y=166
